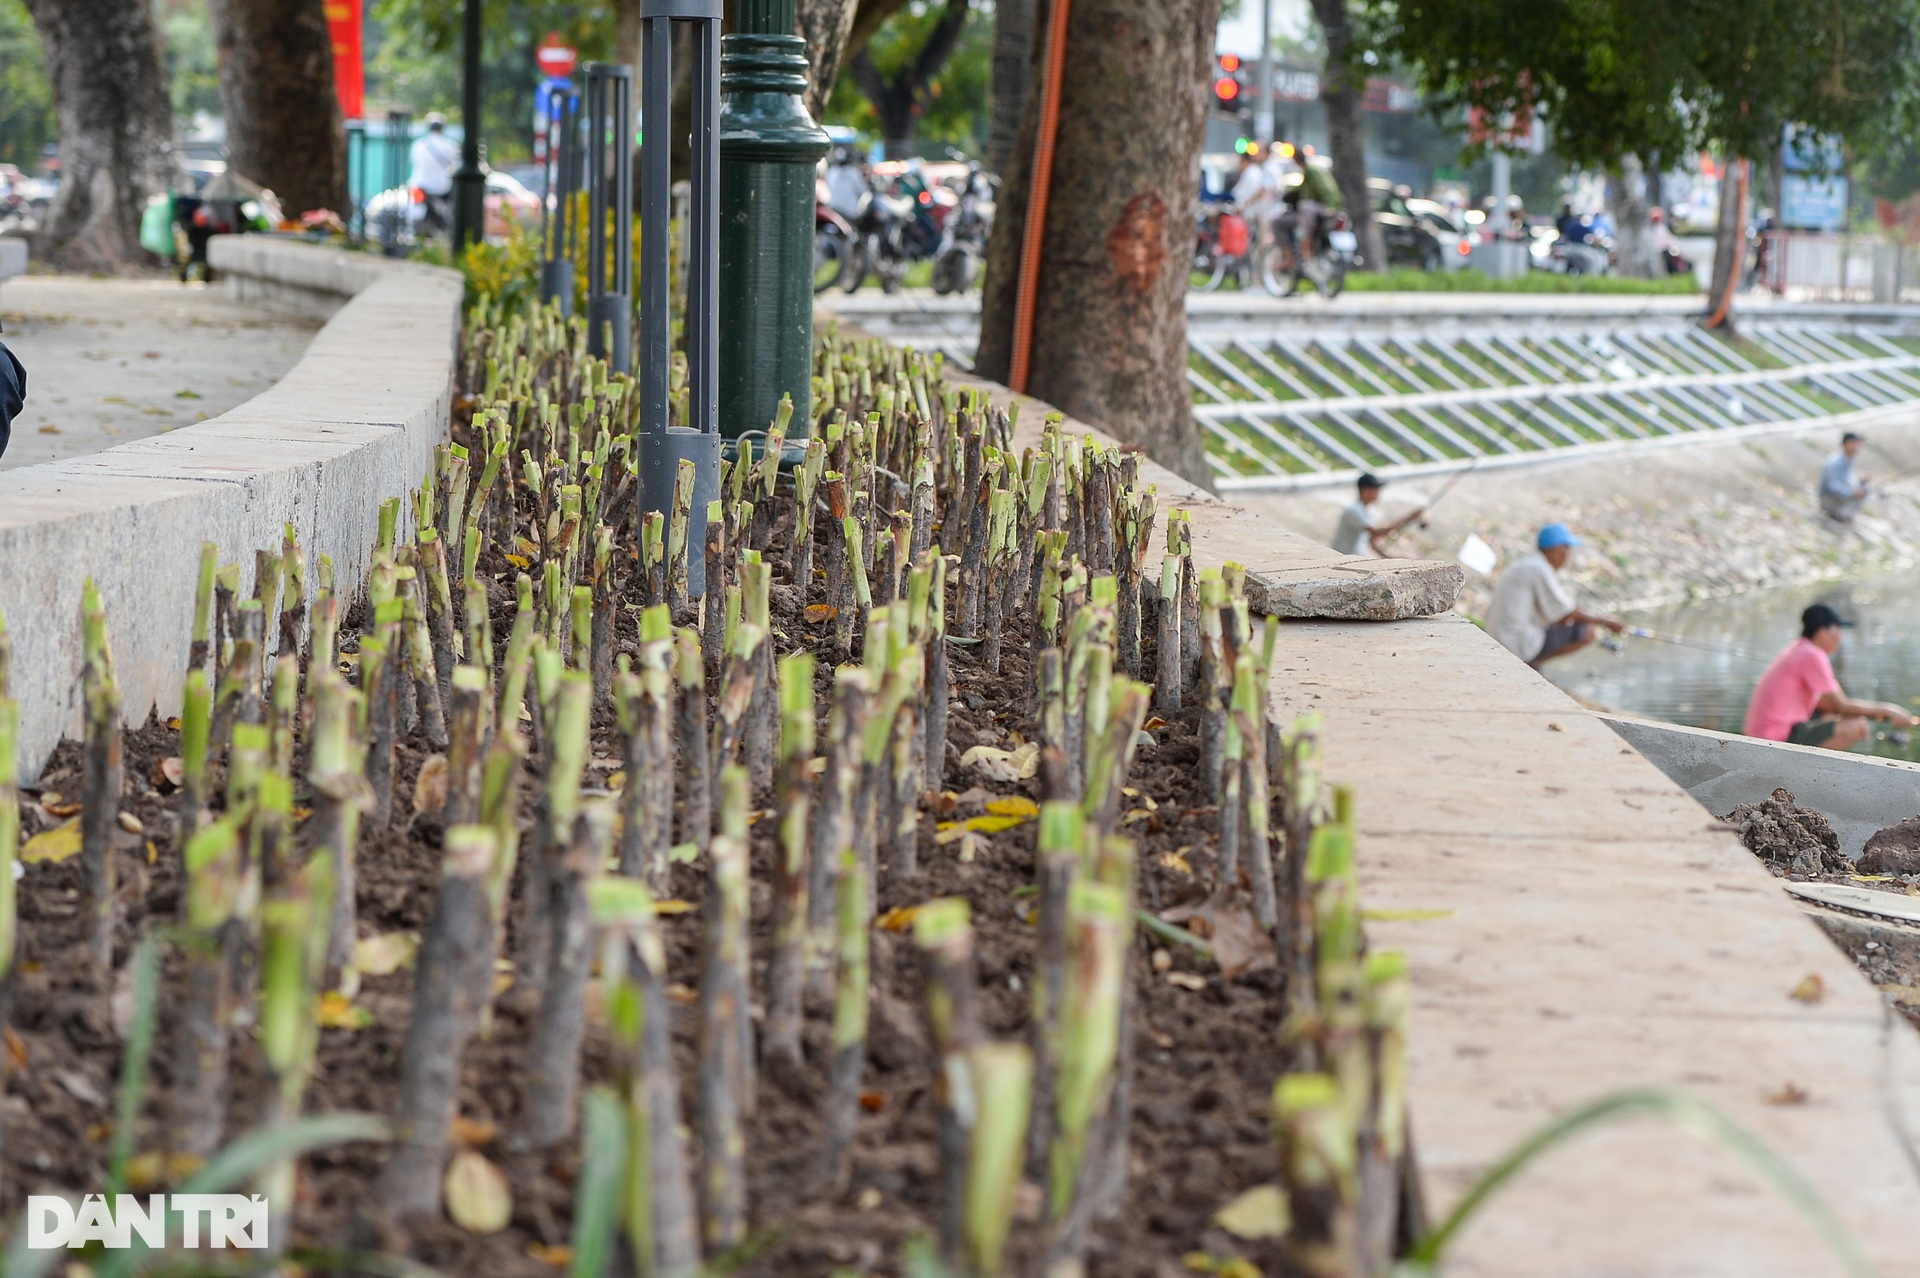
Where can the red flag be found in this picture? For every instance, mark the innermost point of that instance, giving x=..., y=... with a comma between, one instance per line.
x=343, y=25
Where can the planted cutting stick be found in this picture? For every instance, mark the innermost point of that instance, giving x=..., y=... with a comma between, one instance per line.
x=209, y=940
x=479, y=622
x=851, y=993
x=453, y=956
x=466, y=757
x=103, y=780
x=693, y=791
x=1303, y=807
x=1110, y=756
x=943, y=930
x=379, y=710
x=763, y=709
x=806, y=483
x=736, y=697
x=939, y=677
x=293, y=952
x=238, y=695
x=787, y=960
x=340, y=794
x=565, y=757
x=1062, y=826
x=830, y=830
x=426, y=686
x=1214, y=683
x=550, y=1107
x=1168, y=680
x=713, y=629
x=1253, y=812
x=646, y=712
x=658, y=1209
x=1002, y=1081
x=196, y=721
x=1319, y=1174
x=922, y=512
x=513, y=670
x=855, y=597
x=1089, y=1047
x=726, y=1031
x=1001, y=563
x=653, y=558
x=679, y=528
x=905, y=765
x=604, y=638
x=445, y=636
x=1116, y=865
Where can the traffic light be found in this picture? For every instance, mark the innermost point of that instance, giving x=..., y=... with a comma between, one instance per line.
x=1230, y=95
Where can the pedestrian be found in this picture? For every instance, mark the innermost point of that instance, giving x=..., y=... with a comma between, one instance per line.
x=1360, y=531
x=1533, y=613
x=13, y=394
x=1798, y=700
x=1841, y=491
x=432, y=160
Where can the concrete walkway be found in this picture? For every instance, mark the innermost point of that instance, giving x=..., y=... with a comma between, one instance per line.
x=110, y=361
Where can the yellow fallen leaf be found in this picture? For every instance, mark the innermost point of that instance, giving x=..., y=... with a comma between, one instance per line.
x=478, y=1198
x=153, y=853
x=336, y=1011
x=995, y=824
x=1811, y=989
x=949, y=832
x=300, y=814
x=618, y=781
x=559, y=1255
x=899, y=918
x=1202, y=1262
x=1015, y=805
x=386, y=953
x=1176, y=861
x=518, y=561
x=1187, y=980
x=154, y=1169
x=131, y=823
x=57, y=844
x=173, y=723
x=1261, y=1212
x=672, y=906
x=1137, y=814
x=1871, y=878
x=1154, y=724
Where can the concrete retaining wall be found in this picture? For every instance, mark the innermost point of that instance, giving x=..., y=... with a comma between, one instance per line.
x=354, y=423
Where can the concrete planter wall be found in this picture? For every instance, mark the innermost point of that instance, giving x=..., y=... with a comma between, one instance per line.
x=354, y=423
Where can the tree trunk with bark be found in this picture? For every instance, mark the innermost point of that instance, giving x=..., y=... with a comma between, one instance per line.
x=116, y=127
x=1628, y=205
x=276, y=90
x=1342, y=88
x=825, y=26
x=1007, y=99
x=899, y=101
x=1110, y=324
x=1729, y=246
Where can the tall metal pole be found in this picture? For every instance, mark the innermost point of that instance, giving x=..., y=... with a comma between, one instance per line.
x=1263, y=105
x=470, y=184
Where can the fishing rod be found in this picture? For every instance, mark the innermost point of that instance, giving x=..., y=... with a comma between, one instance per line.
x=1449, y=487
x=1641, y=632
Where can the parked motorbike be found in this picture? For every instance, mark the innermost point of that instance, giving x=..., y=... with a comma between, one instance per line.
x=889, y=234
x=833, y=247
x=963, y=234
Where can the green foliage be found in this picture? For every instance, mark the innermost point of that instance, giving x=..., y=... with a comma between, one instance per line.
x=956, y=101
x=193, y=61
x=26, y=101
x=1471, y=281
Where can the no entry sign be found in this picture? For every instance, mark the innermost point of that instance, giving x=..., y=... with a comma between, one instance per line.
x=555, y=58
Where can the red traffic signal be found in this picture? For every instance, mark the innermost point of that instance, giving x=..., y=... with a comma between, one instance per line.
x=1226, y=89
x=1229, y=62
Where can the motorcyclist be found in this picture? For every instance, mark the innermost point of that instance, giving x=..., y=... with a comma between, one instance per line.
x=1317, y=194
x=848, y=182
x=432, y=160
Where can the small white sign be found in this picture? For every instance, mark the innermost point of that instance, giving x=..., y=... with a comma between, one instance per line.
x=232, y=1220
x=1477, y=555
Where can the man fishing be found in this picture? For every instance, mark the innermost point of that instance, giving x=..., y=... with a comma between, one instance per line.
x=1841, y=491
x=1533, y=614
x=1360, y=531
x=1798, y=700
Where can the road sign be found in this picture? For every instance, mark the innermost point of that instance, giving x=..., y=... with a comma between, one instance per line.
x=556, y=59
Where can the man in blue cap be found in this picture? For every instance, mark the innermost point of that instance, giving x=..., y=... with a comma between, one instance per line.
x=1533, y=614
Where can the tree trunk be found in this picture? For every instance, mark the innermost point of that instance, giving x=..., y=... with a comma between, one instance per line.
x=276, y=90
x=116, y=124
x=1110, y=324
x=1729, y=246
x=825, y=25
x=1628, y=203
x=1012, y=52
x=1342, y=88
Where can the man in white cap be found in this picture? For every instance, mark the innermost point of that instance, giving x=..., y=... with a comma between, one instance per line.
x=1532, y=613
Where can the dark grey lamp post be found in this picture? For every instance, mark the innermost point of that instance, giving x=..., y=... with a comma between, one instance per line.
x=469, y=183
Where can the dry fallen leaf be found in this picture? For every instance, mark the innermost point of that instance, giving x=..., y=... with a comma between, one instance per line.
x=386, y=953
x=1187, y=980
x=131, y=823
x=1177, y=860
x=1153, y=724
x=1227, y=924
x=154, y=1169
x=1004, y=765
x=169, y=772
x=559, y=1255
x=868, y=1199
x=57, y=844
x=16, y=1049
x=57, y=805
x=873, y=1100
x=336, y=1011
x=478, y=1199
x=1791, y=1094
x=1811, y=989
x=1260, y=1212
x=173, y=723
x=1162, y=960
x=430, y=789
x=518, y=561
x=1016, y=805
x=472, y=1133
x=899, y=918
x=820, y=612
x=682, y=993
x=995, y=824
x=672, y=905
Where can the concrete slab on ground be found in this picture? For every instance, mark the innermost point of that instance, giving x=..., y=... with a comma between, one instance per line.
x=114, y=360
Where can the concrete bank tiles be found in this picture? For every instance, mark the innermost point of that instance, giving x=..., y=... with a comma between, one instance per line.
x=352, y=424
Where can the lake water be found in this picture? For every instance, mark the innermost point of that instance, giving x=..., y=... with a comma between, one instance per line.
x=1705, y=681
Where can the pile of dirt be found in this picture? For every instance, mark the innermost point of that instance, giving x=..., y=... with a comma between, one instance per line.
x=1791, y=839
x=1894, y=850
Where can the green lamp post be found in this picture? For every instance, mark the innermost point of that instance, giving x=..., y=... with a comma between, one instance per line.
x=769, y=145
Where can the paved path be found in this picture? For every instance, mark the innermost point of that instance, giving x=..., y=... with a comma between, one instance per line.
x=112, y=360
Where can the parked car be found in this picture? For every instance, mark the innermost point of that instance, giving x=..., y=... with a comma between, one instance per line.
x=1414, y=235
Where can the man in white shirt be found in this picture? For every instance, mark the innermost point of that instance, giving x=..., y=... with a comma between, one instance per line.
x=1250, y=185
x=1533, y=614
x=1360, y=531
x=1842, y=491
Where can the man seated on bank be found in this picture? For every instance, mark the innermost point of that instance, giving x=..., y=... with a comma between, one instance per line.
x=1533, y=614
x=1360, y=531
x=1799, y=701
x=1841, y=491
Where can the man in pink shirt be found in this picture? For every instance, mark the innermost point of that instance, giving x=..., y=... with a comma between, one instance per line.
x=1800, y=702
